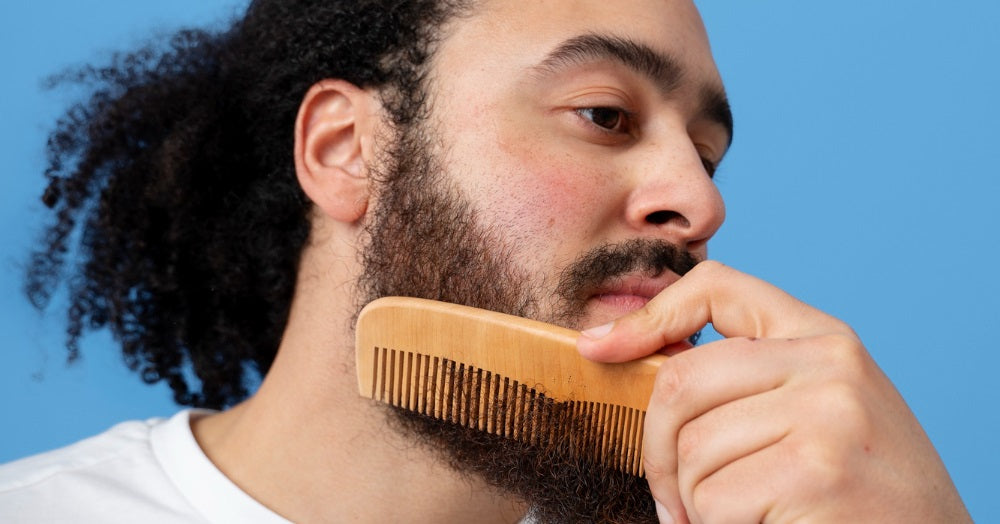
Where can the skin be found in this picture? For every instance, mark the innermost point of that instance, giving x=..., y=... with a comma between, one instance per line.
x=789, y=419
x=522, y=146
x=786, y=420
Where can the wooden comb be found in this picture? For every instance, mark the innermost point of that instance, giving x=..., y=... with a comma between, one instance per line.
x=509, y=376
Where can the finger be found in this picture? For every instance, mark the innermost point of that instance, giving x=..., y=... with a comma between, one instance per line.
x=736, y=304
x=729, y=433
x=716, y=404
x=738, y=492
x=693, y=383
x=779, y=483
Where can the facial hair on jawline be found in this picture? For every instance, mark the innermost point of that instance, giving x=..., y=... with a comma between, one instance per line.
x=424, y=241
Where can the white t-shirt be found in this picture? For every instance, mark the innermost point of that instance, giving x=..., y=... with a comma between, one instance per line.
x=141, y=471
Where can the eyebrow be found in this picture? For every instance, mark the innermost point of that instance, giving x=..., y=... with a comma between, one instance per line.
x=661, y=69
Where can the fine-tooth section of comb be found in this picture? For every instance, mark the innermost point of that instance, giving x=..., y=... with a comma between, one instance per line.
x=505, y=375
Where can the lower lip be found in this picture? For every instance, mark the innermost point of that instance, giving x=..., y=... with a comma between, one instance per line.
x=622, y=303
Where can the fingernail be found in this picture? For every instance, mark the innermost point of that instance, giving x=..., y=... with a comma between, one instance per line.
x=599, y=331
x=663, y=514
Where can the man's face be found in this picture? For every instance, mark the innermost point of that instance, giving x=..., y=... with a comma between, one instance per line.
x=560, y=176
x=569, y=125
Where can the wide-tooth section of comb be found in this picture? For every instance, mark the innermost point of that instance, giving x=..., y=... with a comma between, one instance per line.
x=475, y=398
x=505, y=375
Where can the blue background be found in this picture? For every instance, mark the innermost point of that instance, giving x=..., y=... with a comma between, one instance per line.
x=863, y=180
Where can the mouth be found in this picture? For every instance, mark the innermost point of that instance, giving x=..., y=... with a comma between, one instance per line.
x=626, y=294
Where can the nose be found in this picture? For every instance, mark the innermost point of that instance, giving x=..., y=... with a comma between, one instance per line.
x=673, y=196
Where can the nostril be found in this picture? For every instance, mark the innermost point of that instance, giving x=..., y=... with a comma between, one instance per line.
x=662, y=217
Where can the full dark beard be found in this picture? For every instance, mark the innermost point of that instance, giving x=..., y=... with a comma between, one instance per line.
x=424, y=241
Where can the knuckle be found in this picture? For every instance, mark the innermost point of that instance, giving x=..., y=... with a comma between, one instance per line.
x=709, y=268
x=844, y=328
x=670, y=384
x=825, y=454
x=650, y=317
x=845, y=355
x=689, y=440
x=655, y=320
x=822, y=469
x=843, y=406
x=710, y=502
x=656, y=472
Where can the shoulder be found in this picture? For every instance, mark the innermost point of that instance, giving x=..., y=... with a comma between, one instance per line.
x=126, y=439
x=104, y=478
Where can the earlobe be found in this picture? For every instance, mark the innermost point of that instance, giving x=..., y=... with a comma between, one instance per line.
x=331, y=133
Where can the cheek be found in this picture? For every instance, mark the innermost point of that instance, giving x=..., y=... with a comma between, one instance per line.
x=549, y=200
x=550, y=194
x=529, y=186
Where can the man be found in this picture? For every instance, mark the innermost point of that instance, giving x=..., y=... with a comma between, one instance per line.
x=249, y=191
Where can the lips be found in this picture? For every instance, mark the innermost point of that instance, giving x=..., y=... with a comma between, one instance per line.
x=626, y=294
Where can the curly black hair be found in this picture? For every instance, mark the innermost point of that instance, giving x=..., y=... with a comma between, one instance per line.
x=178, y=222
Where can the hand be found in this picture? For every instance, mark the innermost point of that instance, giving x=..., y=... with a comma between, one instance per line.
x=787, y=419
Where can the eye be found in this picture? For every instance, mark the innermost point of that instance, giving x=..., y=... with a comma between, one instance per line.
x=710, y=166
x=609, y=119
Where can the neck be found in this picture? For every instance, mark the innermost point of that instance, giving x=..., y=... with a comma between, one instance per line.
x=310, y=448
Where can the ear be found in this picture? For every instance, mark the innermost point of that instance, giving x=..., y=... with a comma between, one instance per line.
x=332, y=138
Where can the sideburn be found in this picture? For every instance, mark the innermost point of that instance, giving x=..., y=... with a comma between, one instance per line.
x=425, y=242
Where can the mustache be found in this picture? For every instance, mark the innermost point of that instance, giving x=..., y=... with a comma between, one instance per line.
x=601, y=264
x=609, y=261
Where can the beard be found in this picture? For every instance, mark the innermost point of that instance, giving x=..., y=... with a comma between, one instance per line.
x=424, y=240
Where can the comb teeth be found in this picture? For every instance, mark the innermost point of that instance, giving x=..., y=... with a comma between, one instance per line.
x=471, y=397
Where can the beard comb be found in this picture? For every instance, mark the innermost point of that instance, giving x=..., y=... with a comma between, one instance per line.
x=510, y=376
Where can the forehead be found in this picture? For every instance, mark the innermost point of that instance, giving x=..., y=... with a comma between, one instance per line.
x=505, y=37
